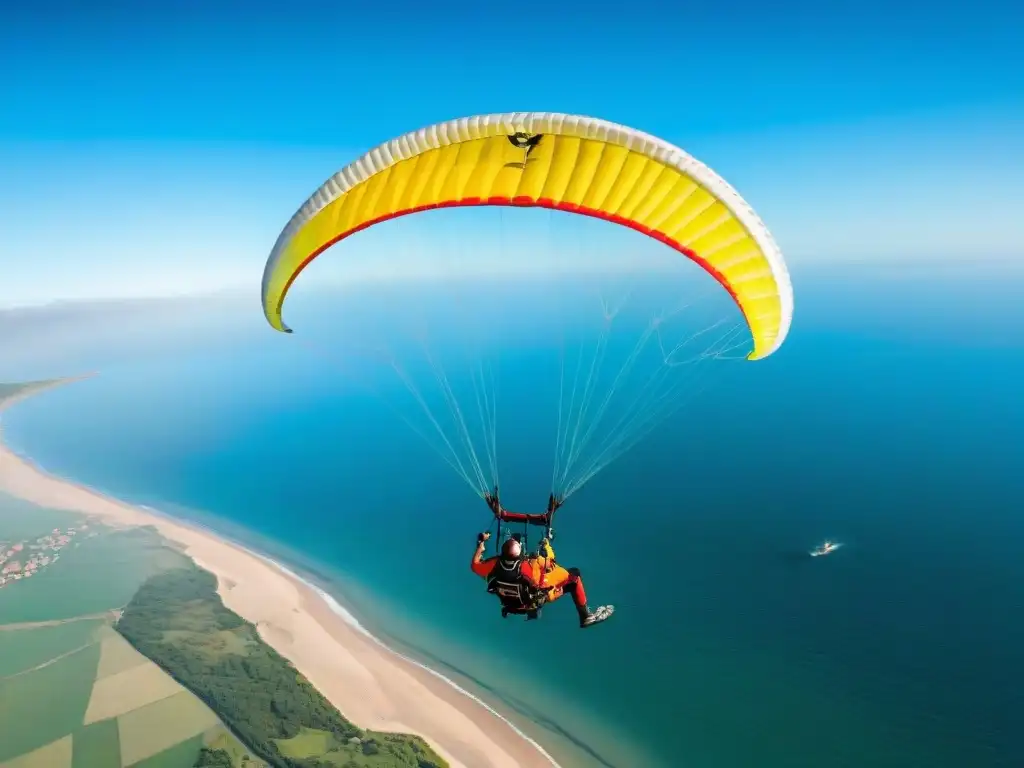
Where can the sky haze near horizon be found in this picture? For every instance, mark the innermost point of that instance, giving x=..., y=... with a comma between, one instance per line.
x=160, y=152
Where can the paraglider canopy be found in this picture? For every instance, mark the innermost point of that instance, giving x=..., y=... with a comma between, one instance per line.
x=577, y=165
x=565, y=162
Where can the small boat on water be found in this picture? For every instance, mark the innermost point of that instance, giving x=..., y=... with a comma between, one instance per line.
x=827, y=548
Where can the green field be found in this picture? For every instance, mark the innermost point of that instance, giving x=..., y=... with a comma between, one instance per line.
x=309, y=742
x=220, y=740
x=62, y=666
x=373, y=750
x=56, y=754
x=181, y=755
x=158, y=727
x=116, y=655
x=23, y=649
x=43, y=705
x=96, y=745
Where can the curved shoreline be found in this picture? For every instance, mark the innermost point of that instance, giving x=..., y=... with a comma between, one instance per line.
x=372, y=684
x=346, y=615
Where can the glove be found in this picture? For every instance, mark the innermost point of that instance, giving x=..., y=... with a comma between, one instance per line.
x=482, y=537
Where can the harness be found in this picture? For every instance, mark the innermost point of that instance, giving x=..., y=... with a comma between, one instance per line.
x=517, y=595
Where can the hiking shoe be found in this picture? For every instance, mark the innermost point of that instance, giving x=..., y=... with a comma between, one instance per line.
x=597, y=616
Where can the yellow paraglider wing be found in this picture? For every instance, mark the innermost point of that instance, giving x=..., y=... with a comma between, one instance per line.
x=564, y=162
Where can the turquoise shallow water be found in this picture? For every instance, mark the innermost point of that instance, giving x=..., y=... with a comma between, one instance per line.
x=896, y=431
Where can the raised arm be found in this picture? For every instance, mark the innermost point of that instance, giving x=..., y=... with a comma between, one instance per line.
x=478, y=565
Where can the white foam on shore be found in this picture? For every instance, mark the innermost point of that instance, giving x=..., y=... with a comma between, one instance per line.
x=352, y=621
x=345, y=615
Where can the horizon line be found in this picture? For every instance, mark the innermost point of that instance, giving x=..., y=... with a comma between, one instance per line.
x=867, y=267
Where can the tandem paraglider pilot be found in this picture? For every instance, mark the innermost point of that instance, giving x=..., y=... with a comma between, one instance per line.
x=525, y=583
x=549, y=160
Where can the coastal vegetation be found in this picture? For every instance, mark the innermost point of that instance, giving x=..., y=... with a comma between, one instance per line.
x=178, y=620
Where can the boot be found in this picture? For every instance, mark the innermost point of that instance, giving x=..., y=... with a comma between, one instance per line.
x=588, y=618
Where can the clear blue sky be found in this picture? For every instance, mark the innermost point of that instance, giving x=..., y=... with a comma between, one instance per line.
x=155, y=148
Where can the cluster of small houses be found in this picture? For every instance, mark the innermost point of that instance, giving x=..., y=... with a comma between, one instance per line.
x=24, y=560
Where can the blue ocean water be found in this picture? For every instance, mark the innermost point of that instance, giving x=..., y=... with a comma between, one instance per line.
x=891, y=421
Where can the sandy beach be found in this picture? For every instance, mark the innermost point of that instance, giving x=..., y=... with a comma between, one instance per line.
x=371, y=685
